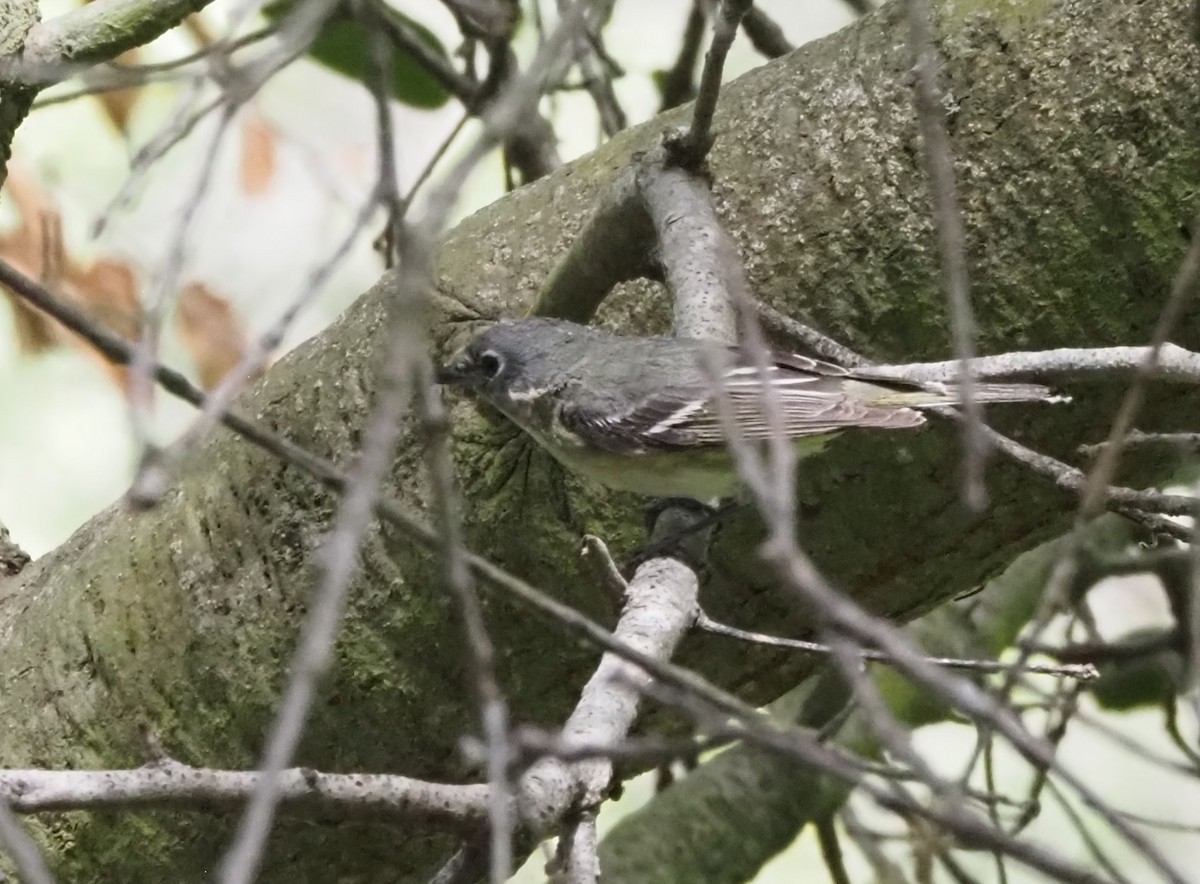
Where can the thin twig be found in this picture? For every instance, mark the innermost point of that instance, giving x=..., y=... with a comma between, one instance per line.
x=1182, y=289
x=239, y=85
x=1081, y=826
x=578, y=851
x=338, y=564
x=99, y=31
x=800, y=573
x=1172, y=363
x=868, y=844
x=1188, y=442
x=145, y=354
x=154, y=473
x=987, y=738
x=535, y=743
x=677, y=84
x=22, y=849
x=178, y=126
x=1066, y=476
x=167, y=783
x=947, y=217
x=468, y=864
x=397, y=30
x=114, y=76
x=1082, y=672
x=606, y=568
x=694, y=146
x=597, y=76
x=405, y=358
x=794, y=743
x=831, y=850
x=781, y=327
x=765, y=35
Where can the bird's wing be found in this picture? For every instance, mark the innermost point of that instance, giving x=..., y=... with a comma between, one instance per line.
x=813, y=398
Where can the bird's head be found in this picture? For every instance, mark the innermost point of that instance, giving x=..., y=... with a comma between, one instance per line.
x=514, y=362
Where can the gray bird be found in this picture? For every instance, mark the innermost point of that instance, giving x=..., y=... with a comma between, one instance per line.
x=642, y=415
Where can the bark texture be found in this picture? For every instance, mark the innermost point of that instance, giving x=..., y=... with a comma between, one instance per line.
x=17, y=18
x=1076, y=144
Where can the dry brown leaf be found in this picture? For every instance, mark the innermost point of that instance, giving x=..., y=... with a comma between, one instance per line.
x=259, y=150
x=35, y=248
x=211, y=331
x=108, y=290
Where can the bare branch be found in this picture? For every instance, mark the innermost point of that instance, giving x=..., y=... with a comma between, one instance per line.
x=831, y=851
x=21, y=848
x=578, y=852
x=947, y=217
x=1082, y=672
x=1188, y=442
x=1068, y=477
x=104, y=29
x=677, y=85
x=765, y=35
x=693, y=147
x=1172, y=363
x=110, y=77
x=468, y=864
x=338, y=564
x=1182, y=290
x=662, y=606
x=405, y=367
x=397, y=30
x=783, y=328
x=614, y=246
x=163, y=293
x=597, y=72
x=847, y=616
x=168, y=783
x=699, y=262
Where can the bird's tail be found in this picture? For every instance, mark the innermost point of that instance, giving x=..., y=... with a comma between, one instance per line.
x=934, y=395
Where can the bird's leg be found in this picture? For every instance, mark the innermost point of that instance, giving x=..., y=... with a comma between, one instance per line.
x=683, y=534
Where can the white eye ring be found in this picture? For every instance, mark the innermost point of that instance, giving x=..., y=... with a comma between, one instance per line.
x=491, y=363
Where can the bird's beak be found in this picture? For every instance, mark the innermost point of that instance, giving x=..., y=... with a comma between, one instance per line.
x=456, y=371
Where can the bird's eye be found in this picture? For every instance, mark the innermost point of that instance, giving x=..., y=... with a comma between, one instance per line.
x=490, y=364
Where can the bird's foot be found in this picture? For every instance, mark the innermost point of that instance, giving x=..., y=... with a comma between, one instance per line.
x=678, y=528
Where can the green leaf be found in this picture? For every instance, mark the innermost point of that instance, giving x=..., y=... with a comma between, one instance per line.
x=342, y=45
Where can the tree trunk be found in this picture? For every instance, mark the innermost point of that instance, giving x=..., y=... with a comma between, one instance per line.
x=1076, y=145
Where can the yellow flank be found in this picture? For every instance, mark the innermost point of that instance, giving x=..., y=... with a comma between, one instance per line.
x=699, y=473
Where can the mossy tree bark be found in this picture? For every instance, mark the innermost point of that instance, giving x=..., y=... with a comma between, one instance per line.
x=1076, y=144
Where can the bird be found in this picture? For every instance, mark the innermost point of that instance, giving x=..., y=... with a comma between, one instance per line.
x=642, y=414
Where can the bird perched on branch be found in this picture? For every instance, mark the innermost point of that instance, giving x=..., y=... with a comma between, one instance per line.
x=645, y=414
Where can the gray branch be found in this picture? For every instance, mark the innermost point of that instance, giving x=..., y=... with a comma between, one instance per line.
x=171, y=784
x=104, y=29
